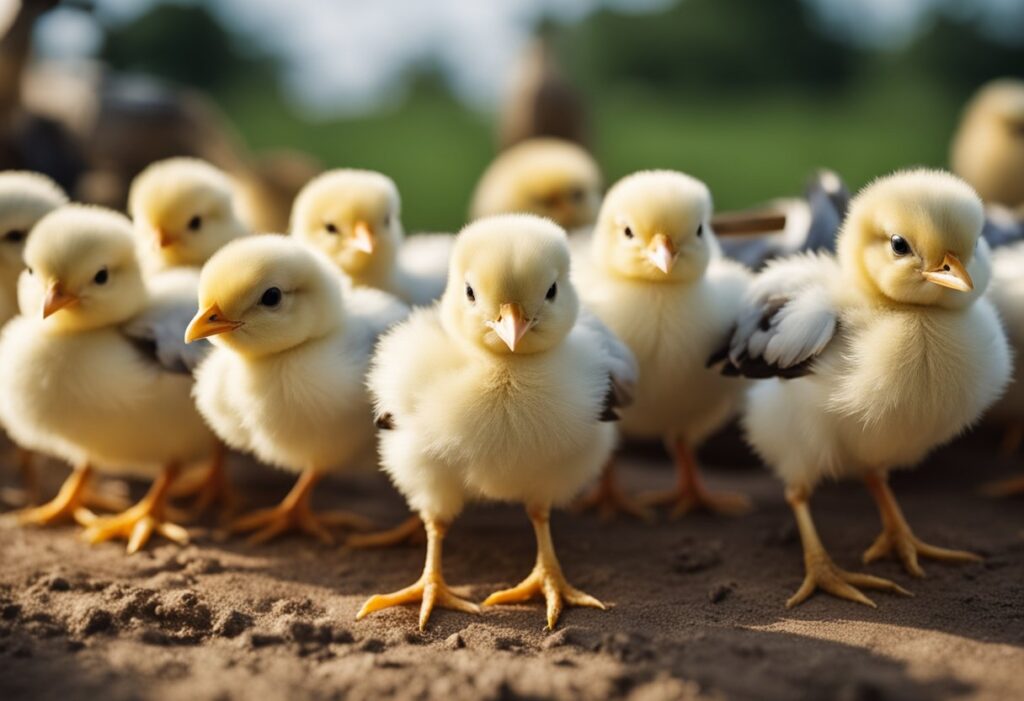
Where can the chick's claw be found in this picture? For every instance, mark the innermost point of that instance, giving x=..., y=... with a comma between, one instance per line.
x=409, y=531
x=610, y=500
x=823, y=574
x=685, y=499
x=908, y=547
x=429, y=591
x=550, y=583
x=71, y=502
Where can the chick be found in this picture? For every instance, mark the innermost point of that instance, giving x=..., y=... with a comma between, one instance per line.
x=184, y=211
x=286, y=378
x=78, y=382
x=876, y=356
x=988, y=148
x=655, y=276
x=354, y=217
x=496, y=393
x=548, y=177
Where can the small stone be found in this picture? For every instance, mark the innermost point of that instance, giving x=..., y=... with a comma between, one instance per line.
x=58, y=584
x=720, y=592
x=454, y=642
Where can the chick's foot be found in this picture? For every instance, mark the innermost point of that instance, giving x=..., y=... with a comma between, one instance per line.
x=408, y=531
x=1013, y=487
x=690, y=494
x=209, y=485
x=72, y=502
x=139, y=522
x=609, y=500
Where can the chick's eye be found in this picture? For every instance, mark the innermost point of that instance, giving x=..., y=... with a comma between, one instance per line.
x=271, y=297
x=628, y=233
x=101, y=277
x=195, y=223
x=469, y=293
x=576, y=195
x=331, y=228
x=899, y=245
x=700, y=229
x=552, y=291
x=15, y=236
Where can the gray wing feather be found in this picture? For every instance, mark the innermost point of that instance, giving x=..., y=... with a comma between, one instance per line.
x=159, y=331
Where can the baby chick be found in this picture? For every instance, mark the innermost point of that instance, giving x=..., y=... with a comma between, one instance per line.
x=184, y=211
x=655, y=276
x=876, y=355
x=988, y=148
x=285, y=380
x=354, y=217
x=548, y=177
x=77, y=381
x=495, y=393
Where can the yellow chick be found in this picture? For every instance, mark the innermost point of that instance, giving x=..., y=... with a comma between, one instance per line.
x=354, y=217
x=184, y=211
x=285, y=380
x=79, y=383
x=988, y=148
x=496, y=393
x=655, y=276
x=547, y=177
x=877, y=356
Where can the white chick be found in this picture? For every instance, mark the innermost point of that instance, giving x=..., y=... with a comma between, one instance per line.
x=496, y=393
x=547, y=177
x=354, y=217
x=85, y=374
x=877, y=356
x=988, y=148
x=655, y=277
x=286, y=378
x=184, y=211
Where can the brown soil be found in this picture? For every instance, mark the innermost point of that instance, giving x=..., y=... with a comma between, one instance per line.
x=696, y=605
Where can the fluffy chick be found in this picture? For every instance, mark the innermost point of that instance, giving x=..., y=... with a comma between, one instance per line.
x=877, y=356
x=988, y=148
x=495, y=393
x=25, y=198
x=77, y=383
x=354, y=217
x=184, y=211
x=547, y=177
x=654, y=275
x=285, y=380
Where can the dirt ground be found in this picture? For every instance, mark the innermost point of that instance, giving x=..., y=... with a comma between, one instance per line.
x=696, y=606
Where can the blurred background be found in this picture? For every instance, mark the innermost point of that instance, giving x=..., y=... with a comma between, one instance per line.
x=748, y=95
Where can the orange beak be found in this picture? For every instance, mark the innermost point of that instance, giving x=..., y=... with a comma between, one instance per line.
x=209, y=323
x=362, y=237
x=511, y=325
x=163, y=238
x=662, y=253
x=57, y=299
x=951, y=273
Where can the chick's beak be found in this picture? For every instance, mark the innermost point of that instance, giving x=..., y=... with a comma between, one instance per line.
x=662, y=253
x=511, y=325
x=362, y=237
x=951, y=273
x=57, y=299
x=163, y=239
x=209, y=323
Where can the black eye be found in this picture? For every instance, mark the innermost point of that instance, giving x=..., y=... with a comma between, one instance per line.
x=576, y=195
x=15, y=236
x=899, y=245
x=331, y=228
x=628, y=232
x=195, y=222
x=101, y=277
x=271, y=297
x=700, y=229
x=552, y=291
x=30, y=271
x=469, y=293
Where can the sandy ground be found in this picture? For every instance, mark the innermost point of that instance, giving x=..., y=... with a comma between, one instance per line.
x=696, y=606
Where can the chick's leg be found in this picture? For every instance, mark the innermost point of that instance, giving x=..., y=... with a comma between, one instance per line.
x=690, y=493
x=430, y=589
x=408, y=531
x=609, y=499
x=897, y=536
x=295, y=513
x=209, y=485
x=1012, y=487
x=546, y=579
x=72, y=502
x=820, y=571
x=29, y=477
x=138, y=522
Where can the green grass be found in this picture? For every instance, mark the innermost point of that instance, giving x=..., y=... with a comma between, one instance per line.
x=747, y=149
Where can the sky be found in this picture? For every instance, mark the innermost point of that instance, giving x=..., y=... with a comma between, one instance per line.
x=344, y=56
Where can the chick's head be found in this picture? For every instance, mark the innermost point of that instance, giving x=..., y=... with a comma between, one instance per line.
x=25, y=197
x=184, y=210
x=655, y=225
x=266, y=294
x=913, y=238
x=353, y=216
x=82, y=271
x=1000, y=104
x=508, y=285
x=547, y=177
